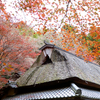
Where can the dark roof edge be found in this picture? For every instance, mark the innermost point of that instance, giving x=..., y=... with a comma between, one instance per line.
x=58, y=84
x=47, y=45
x=53, y=46
x=53, y=85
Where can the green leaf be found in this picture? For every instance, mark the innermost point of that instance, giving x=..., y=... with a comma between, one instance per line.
x=49, y=18
x=98, y=40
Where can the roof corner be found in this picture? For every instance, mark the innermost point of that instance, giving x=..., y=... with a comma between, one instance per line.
x=47, y=45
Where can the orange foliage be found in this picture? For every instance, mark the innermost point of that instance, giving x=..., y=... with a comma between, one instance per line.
x=68, y=21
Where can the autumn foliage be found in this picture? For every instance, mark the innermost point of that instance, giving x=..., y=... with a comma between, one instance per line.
x=15, y=49
x=75, y=24
x=82, y=15
x=93, y=42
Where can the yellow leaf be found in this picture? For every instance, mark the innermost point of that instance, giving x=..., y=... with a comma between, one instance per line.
x=9, y=65
x=9, y=69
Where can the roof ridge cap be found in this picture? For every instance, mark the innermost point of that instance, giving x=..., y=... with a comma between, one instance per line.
x=54, y=46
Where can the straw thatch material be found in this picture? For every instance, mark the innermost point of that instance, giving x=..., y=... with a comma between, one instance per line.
x=60, y=66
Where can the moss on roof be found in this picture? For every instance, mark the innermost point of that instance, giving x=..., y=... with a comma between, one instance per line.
x=64, y=65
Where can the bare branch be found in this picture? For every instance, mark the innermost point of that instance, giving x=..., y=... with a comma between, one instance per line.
x=63, y=17
x=77, y=17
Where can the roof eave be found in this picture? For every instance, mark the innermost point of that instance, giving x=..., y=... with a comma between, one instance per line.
x=61, y=83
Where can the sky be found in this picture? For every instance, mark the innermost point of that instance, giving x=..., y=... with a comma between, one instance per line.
x=20, y=15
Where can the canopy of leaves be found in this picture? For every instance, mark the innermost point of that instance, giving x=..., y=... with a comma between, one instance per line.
x=78, y=14
x=71, y=23
x=93, y=41
x=15, y=50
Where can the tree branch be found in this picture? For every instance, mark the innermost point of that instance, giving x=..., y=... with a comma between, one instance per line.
x=64, y=16
x=77, y=17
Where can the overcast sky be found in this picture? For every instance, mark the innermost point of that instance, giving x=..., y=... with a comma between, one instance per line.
x=18, y=15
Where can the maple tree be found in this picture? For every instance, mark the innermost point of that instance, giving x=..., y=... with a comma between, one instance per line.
x=52, y=15
x=93, y=41
x=94, y=37
x=15, y=49
x=74, y=23
x=79, y=13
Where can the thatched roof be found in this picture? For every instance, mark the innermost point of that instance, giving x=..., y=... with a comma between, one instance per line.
x=55, y=64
